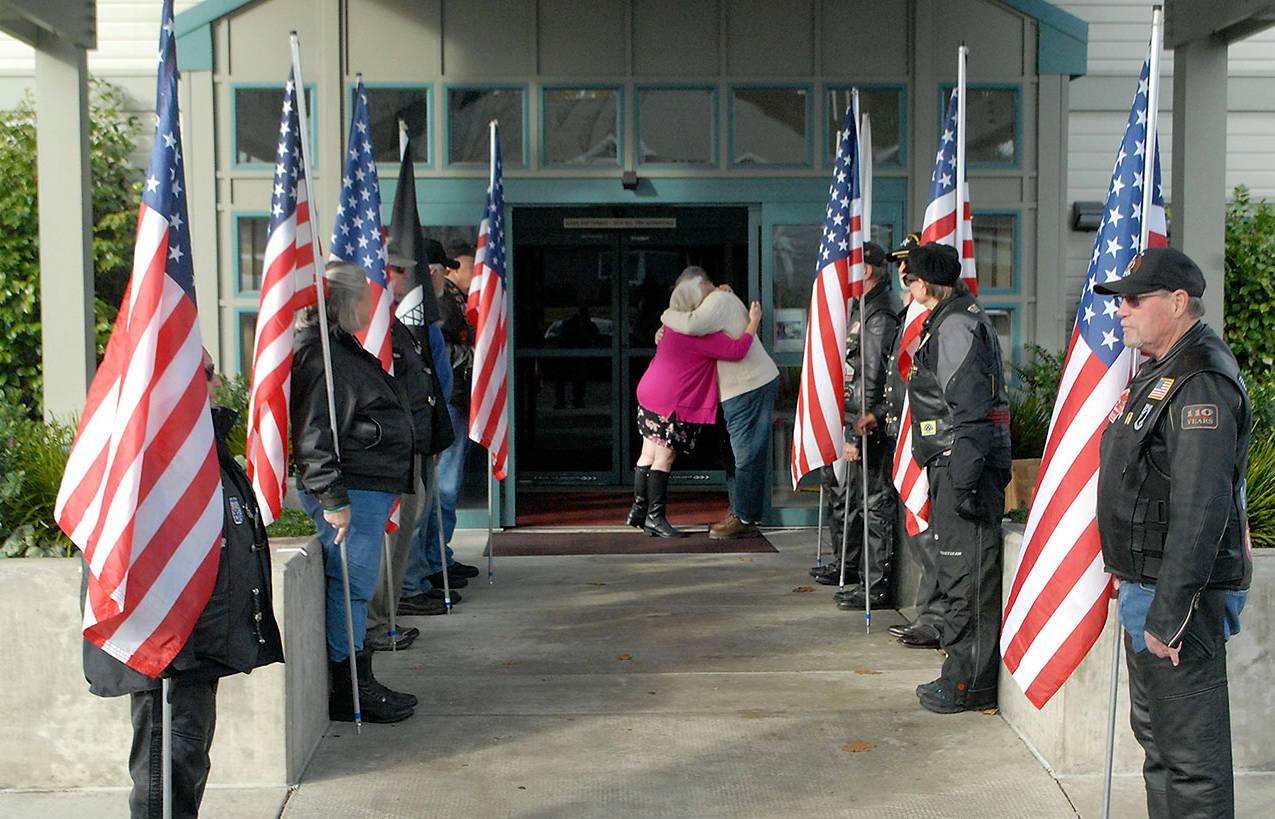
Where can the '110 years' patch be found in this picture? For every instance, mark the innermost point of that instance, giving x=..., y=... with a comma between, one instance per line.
x=1199, y=416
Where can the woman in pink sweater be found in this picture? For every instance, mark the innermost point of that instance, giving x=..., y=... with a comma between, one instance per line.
x=676, y=397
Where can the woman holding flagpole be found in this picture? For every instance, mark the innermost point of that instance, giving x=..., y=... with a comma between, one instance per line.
x=349, y=485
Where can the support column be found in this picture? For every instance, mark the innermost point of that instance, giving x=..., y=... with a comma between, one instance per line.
x=1198, y=209
x=66, y=224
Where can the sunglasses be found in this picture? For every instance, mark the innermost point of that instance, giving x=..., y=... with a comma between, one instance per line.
x=209, y=371
x=1135, y=299
x=908, y=278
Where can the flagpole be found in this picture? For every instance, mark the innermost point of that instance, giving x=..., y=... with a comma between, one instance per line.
x=819, y=530
x=303, y=127
x=864, y=226
x=442, y=546
x=166, y=744
x=493, y=142
x=962, y=53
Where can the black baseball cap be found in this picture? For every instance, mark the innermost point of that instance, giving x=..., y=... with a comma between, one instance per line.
x=437, y=255
x=1157, y=268
x=873, y=254
x=935, y=263
x=909, y=243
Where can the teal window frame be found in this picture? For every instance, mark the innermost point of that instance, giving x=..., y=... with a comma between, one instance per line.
x=826, y=159
x=238, y=215
x=430, y=135
x=234, y=123
x=714, y=141
x=808, y=162
x=524, y=161
x=620, y=146
x=1017, y=215
x=1015, y=335
x=945, y=93
x=239, y=312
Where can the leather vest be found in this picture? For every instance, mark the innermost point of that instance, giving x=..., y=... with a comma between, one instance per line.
x=1134, y=484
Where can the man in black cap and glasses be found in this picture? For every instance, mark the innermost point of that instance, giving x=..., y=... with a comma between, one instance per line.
x=1174, y=530
x=960, y=433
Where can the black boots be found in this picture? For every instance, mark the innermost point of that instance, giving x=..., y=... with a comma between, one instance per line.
x=656, y=502
x=378, y=703
x=637, y=515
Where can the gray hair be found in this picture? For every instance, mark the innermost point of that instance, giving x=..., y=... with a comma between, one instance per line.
x=1195, y=307
x=688, y=289
x=346, y=283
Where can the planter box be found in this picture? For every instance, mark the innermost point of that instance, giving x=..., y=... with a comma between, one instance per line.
x=55, y=734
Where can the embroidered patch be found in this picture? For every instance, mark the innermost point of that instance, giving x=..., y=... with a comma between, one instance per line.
x=975, y=309
x=1142, y=416
x=1119, y=407
x=236, y=511
x=929, y=427
x=1161, y=389
x=1199, y=416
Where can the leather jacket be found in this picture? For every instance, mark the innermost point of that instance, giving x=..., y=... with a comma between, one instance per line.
x=374, y=423
x=1171, y=480
x=880, y=327
x=237, y=631
x=960, y=406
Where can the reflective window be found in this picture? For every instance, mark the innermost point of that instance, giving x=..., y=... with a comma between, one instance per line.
x=795, y=256
x=884, y=107
x=257, y=113
x=251, y=232
x=567, y=303
x=676, y=125
x=580, y=126
x=991, y=117
x=566, y=422
x=1003, y=321
x=994, y=249
x=247, y=337
x=769, y=126
x=469, y=114
x=385, y=107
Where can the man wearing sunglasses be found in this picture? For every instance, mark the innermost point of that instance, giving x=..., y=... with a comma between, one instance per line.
x=1174, y=530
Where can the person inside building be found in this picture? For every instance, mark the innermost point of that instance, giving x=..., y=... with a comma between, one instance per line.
x=875, y=336
x=960, y=433
x=235, y=633
x=1174, y=530
x=677, y=396
x=349, y=478
x=747, y=389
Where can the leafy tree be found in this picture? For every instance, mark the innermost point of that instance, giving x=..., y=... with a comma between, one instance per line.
x=116, y=192
x=1250, y=279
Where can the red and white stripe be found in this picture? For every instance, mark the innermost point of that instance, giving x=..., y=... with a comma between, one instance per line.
x=940, y=226
x=486, y=309
x=141, y=494
x=910, y=478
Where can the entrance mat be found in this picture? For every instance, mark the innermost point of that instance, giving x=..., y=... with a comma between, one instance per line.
x=601, y=507
x=515, y=543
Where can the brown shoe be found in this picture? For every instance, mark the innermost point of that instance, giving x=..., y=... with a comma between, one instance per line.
x=733, y=528
x=724, y=523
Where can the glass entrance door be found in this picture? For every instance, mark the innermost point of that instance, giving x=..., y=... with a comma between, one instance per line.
x=592, y=283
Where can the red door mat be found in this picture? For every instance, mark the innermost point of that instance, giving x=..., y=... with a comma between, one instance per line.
x=601, y=507
x=515, y=543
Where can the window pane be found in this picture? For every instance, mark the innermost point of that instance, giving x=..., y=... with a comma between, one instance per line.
x=1003, y=321
x=883, y=105
x=990, y=116
x=770, y=126
x=567, y=424
x=994, y=249
x=247, y=337
x=385, y=106
x=470, y=111
x=676, y=125
x=252, y=250
x=257, y=113
x=580, y=126
x=796, y=252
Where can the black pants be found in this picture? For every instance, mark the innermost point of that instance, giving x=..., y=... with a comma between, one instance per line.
x=1181, y=716
x=882, y=513
x=968, y=569
x=194, y=710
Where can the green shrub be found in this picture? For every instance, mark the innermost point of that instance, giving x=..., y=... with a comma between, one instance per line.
x=1261, y=487
x=1031, y=401
x=1250, y=279
x=32, y=458
x=291, y=523
x=234, y=395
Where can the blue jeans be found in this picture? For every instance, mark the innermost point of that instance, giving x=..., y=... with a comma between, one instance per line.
x=749, y=418
x=369, y=512
x=423, y=560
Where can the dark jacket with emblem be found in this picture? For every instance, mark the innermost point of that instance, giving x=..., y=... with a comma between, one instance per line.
x=1173, y=460
x=374, y=423
x=237, y=631
x=460, y=336
x=880, y=327
x=413, y=367
x=956, y=386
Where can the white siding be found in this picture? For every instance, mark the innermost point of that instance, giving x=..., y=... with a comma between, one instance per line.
x=127, y=38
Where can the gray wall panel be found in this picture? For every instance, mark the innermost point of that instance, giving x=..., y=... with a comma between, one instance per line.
x=768, y=39
x=489, y=39
x=396, y=40
x=864, y=38
x=676, y=37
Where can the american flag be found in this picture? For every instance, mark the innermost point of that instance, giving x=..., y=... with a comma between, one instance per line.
x=940, y=223
x=141, y=494
x=358, y=238
x=910, y=479
x=485, y=306
x=817, y=429
x=287, y=285
x=1057, y=603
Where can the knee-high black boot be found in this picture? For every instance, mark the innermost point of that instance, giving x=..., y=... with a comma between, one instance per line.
x=637, y=515
x=656, y=504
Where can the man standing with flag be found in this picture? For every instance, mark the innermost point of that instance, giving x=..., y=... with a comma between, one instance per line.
x=1174, y=529
x=960, y=434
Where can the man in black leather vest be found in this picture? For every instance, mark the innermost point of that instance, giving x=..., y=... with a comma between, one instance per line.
x=1174, y=530
x=960, y=433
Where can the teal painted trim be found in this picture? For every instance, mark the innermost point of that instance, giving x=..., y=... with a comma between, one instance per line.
x=234, y=123
x=1060, y=53
x=545, y=164
x=195, y=50
x=827, y=148
x=808, y=161
x=428, y=88
x=945, y=93
x=523, y=161
x=239, y=313
x=205, y=14
x=793, y=516
x=1016, y=286
x=545, y=190
x=1047, y=13
x=239, y=216
x=714, y=139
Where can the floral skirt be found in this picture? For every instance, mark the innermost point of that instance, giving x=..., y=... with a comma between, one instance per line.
x=669, y=432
